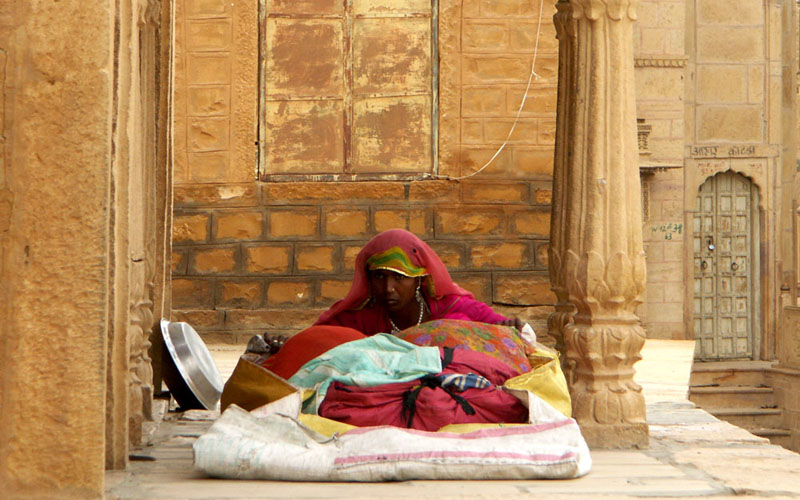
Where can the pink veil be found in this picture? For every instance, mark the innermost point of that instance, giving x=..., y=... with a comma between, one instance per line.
x=440, y=283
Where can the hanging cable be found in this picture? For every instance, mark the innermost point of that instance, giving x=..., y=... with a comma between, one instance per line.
x=519, y=111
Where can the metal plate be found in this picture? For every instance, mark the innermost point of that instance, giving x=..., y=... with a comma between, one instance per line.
x=195, y=366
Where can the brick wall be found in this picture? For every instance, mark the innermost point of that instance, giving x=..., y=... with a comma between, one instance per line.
x=252, y=256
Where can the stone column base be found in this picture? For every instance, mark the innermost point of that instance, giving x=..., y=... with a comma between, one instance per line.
x=612, y=437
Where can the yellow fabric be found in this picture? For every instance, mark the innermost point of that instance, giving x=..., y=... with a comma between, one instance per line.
x=464, y=428
x=252, y=386
x=324, y=426
x=545, y=379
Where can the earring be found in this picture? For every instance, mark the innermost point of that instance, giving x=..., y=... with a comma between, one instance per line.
x=418, y=293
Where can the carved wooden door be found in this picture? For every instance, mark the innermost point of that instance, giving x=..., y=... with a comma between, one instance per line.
x=724, y=232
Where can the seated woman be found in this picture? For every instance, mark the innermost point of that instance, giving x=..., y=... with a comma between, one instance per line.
x=400, y=282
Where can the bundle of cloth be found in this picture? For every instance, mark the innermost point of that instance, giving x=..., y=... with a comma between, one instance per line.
x=334, y=404
x=407, y=369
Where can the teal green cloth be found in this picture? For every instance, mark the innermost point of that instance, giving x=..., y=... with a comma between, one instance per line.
x=376, y=360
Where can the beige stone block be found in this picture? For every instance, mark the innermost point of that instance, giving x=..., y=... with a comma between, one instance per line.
x=542, y=196
x=192, y=293
x=472, y=132
x=267, y=259
x=482, y=36
x=304, y=57
x=524, y=36
x=346, y=223
x=391, y=55
x=495, y=68
x=673, y=252
x=199, y=319
x=213, y=166
x=207, y=8
x=383, y=220
x=525, y=132
x=483, y=101
x=190, y=228
x=722, y=83
x=283, y=193
x=288, y=293
x=420, y=223
x=332, y=290
x=653, y=41
x=672, y=15
x=474, y=158
x=730, y=123
x=479, y=285
x=659, y=83
x=533, y=222
x=675, y=42
x=730, y=44
x=434, y=191
x=305, y=6
x=238, y=226
x=646, y=15
x=392, y=134
x=209, y=35
x=350, y=254
x=315, y=258
x=665, y=312
x=383, y=7
x=305, y=136
x=547, y=132
x=207, y=69
x=541, y=100
x=213, y=261
x=730, y=12
x=514, y=8
x=655, y=295
x=288, y=223
x=497, y=192
x=209, y=100
x=239, y=294
x=542, y=255
x=755, y=86
x=534, y=161
x=523, y=289
x=216, y=195
x=477, y=221
x=452, y=254
x=677, y=129
x=209, y=134
x=178, y=263
x=499, y=255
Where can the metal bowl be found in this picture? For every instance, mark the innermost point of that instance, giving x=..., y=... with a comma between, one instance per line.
x=189, y=371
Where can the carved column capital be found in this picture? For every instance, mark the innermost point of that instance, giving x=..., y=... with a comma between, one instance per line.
x=613, y=9
x=564, y=21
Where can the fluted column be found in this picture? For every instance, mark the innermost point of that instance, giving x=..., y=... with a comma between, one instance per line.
x=565, y=114
x=597, y=258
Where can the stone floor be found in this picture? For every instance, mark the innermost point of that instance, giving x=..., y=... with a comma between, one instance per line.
x=691, y=455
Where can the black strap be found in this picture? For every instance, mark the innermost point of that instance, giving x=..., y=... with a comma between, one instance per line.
x=432, y=381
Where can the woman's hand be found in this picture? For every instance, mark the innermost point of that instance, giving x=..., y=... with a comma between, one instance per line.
x=515, y=322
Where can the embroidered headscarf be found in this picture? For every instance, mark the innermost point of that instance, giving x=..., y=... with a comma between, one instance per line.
x=402, y=252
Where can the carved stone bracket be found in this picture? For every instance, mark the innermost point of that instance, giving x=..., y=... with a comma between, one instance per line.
x=661, y=62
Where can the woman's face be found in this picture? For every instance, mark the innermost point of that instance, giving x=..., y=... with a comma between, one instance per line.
x=392, y=290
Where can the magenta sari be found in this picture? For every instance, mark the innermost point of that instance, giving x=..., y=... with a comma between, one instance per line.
x=445, y=299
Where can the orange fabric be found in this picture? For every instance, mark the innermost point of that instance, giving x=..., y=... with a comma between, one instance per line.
x=307, y=345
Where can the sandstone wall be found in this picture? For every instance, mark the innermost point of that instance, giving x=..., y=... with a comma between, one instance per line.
x=252, y=255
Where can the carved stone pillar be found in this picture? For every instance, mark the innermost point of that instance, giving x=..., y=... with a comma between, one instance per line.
x=597, y=255
x=558, y=320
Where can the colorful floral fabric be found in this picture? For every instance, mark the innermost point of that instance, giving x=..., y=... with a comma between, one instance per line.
x=500, y=342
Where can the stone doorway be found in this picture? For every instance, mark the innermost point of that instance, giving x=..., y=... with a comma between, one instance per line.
x=726, y=303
